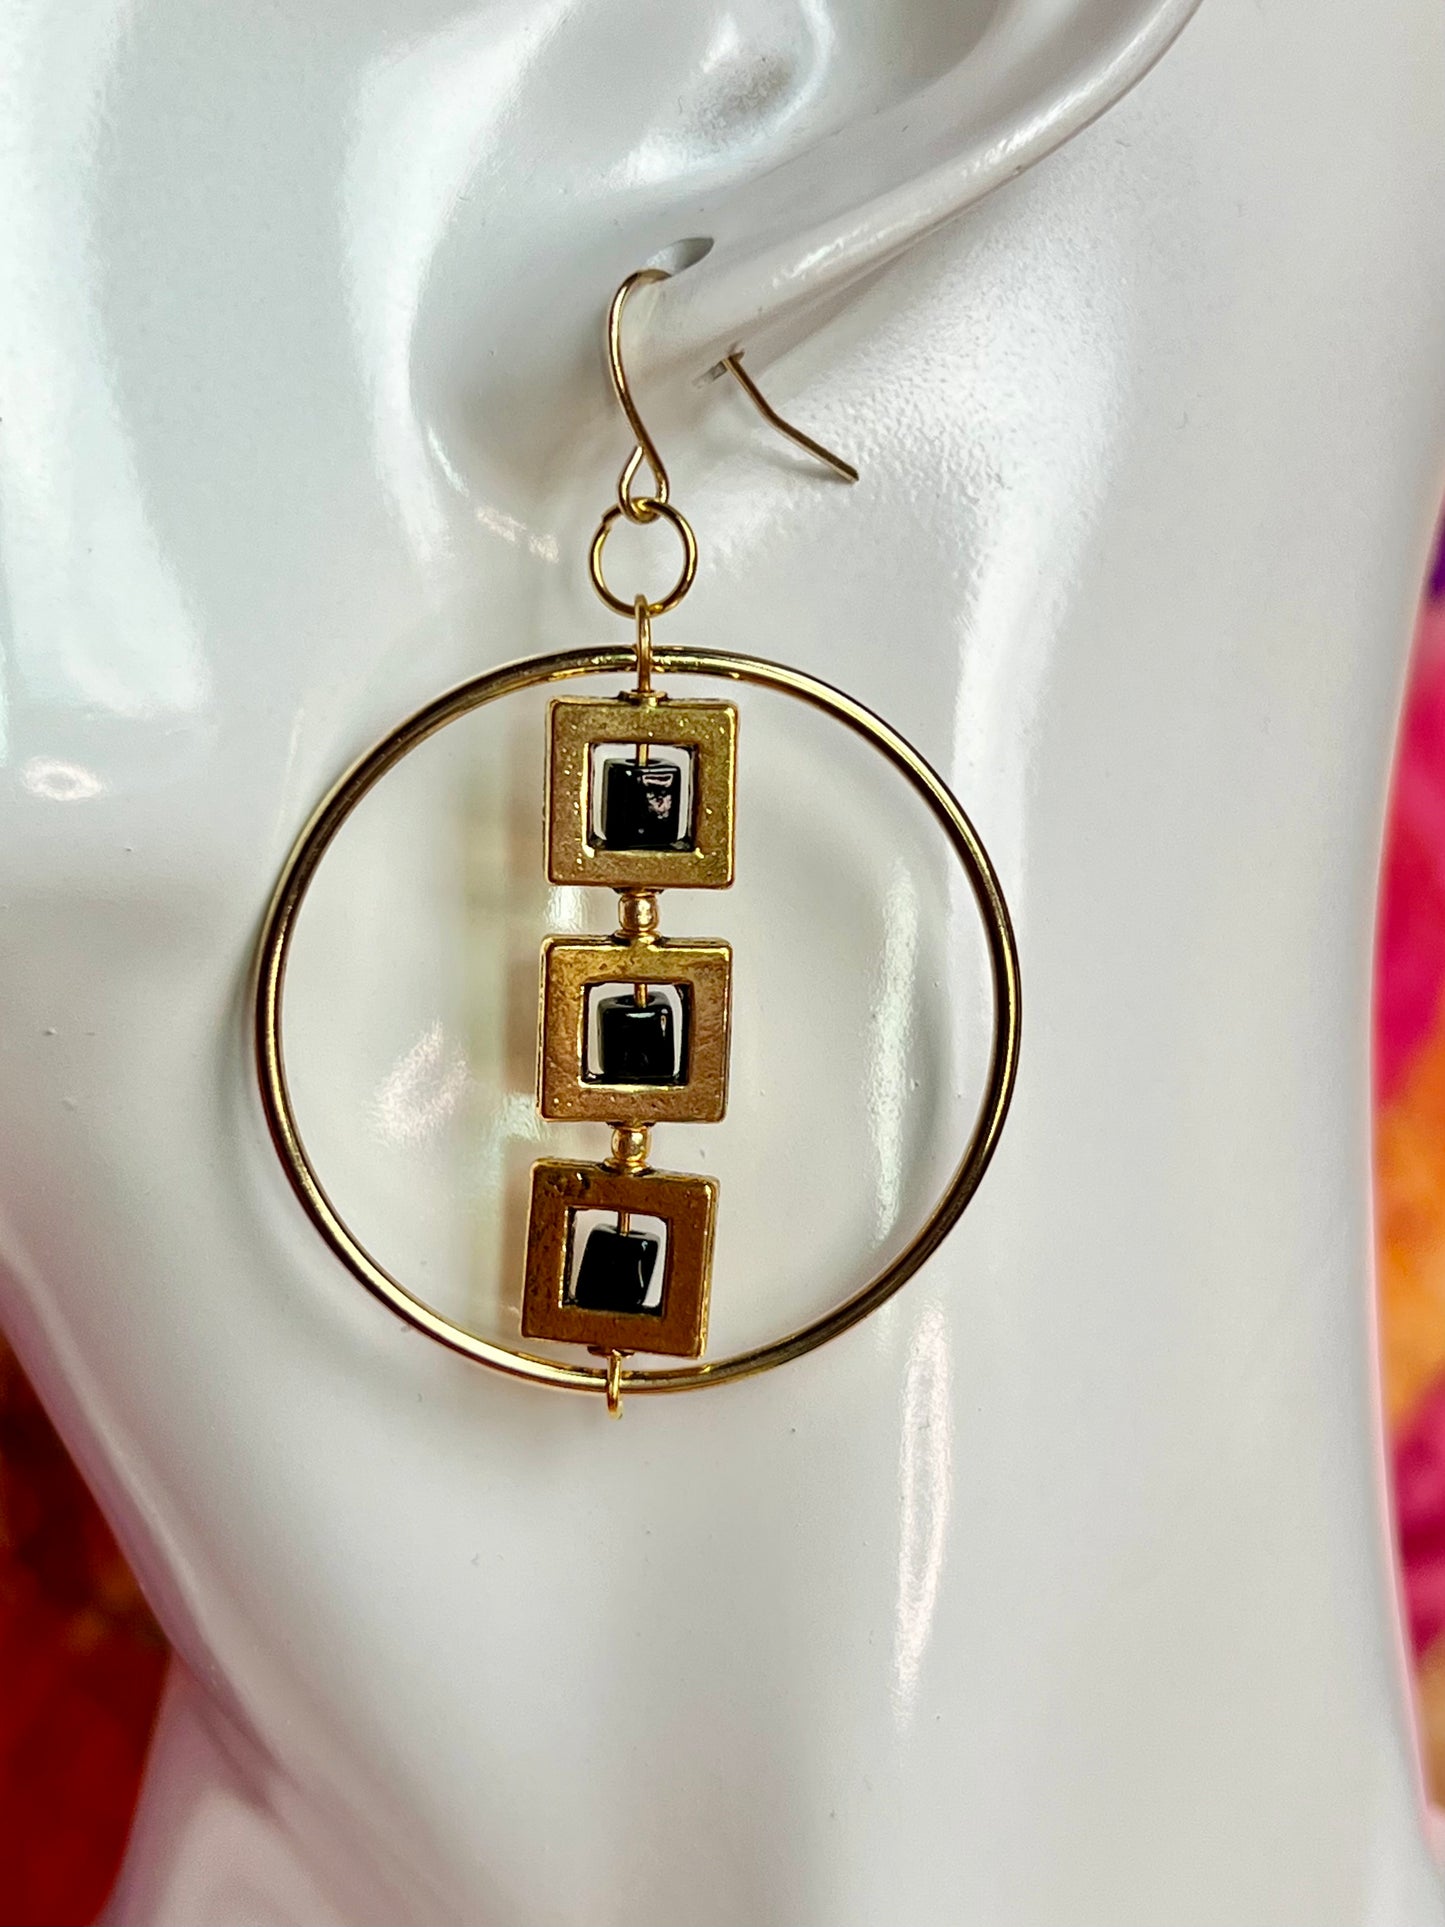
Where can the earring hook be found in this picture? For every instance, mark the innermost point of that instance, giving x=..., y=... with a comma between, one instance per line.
x=647, y=508
x=643, y=508
x=637, y=508
x=734, y=365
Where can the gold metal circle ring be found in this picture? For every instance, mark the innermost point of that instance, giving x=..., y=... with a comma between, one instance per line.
x=332, y=813
x=661, y=512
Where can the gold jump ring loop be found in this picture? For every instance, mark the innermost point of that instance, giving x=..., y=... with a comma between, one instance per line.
x=661, y=511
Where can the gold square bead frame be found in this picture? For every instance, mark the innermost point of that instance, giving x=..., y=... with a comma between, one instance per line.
x=688, y=1207
x=708, y=729
x=573, y=965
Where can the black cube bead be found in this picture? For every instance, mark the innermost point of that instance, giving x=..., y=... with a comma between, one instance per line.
x=635, y=1042
x=641, y=806
x=615, y=1271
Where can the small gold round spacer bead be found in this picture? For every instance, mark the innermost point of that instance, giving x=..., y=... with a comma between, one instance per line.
x=636, y=913
x=631, y=1147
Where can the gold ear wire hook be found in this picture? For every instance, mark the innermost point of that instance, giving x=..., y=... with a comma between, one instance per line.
x=648, y=508
x=734, y=365
x=637, y=508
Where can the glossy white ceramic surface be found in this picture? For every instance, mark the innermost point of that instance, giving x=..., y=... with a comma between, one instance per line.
x=1058, y=1593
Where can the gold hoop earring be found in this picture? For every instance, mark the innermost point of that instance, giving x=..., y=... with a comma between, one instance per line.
x=634, y=1027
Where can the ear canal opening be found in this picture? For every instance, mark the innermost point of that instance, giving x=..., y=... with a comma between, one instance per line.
x=680, y=255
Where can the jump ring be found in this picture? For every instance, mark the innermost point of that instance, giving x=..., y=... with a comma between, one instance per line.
x=685, y=579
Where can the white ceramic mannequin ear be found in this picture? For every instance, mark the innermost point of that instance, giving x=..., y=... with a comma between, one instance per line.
x=1059, y=1591
x=784, y=153
x=789, y=238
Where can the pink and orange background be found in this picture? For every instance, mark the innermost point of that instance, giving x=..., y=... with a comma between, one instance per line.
x=82, y=1662
x=1410, y=1160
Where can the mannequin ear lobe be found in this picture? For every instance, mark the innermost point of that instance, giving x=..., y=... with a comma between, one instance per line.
x=796, y=236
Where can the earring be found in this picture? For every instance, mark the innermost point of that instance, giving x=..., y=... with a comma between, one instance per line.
x=634, y=1027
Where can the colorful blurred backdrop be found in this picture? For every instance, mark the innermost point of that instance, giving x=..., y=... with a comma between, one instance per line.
x=1410, y=1159
x=81, y=1661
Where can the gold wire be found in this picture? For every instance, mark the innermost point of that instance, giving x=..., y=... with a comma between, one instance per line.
x=316, y=839
x=644, y=647
x=734, y=365
x=637, y=508
x=614, y=1383
x=655, y=504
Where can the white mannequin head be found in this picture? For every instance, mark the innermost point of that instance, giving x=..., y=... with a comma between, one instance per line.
x=309, y=421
